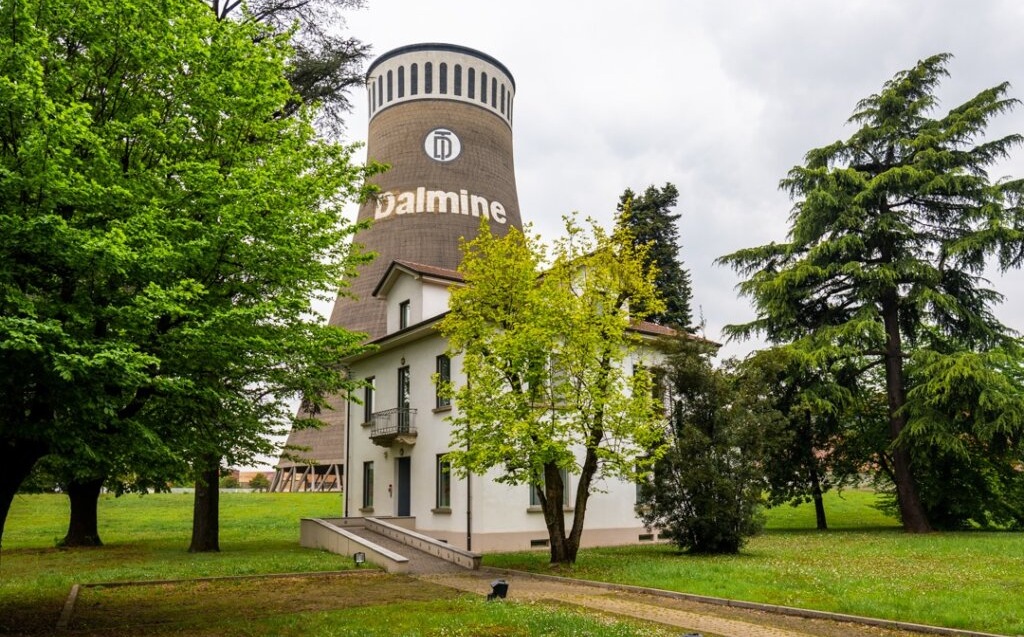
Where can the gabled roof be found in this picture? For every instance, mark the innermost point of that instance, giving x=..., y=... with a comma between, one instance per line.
x=416, y=270
x=653, y=329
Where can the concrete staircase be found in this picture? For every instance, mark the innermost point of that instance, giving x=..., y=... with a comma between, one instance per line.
x=386, y=544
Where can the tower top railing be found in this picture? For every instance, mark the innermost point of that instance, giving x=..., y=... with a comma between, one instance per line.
x=440, y=72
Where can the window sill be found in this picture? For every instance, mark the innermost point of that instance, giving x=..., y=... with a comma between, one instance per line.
x=366, y=424
x=366, y=510
x=442, y=511
x=442, y=409
x=536, y=508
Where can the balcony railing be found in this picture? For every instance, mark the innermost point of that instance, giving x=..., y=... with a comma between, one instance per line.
x=391, y=424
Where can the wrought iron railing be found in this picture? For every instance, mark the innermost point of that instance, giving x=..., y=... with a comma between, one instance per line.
x=393, y=422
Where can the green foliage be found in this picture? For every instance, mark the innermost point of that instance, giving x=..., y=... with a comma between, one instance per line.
x=884, y=268
x=547, y=354
x=648, y=218
x=815, y=448
x=259, y=482
x=163, y=227
x=865, y=565
x=230, y=481
x=705, y=491
x=324, y=64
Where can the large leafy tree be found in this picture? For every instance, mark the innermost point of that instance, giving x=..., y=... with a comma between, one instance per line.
x=652, y=224
x=162, y=229
x=890, y=234
x=547, y=353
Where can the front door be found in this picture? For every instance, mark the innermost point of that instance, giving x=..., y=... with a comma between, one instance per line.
x=404, y=483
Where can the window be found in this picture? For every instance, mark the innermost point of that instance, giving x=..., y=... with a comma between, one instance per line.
x=444, y=376
x=566, y=491
x=403, y=399
x=458, y=79
x=442, y=77
x=483, y=87
x=368, y=400
x=444, y=483
x=401, y=82
x=404, y=315
x=368, y=485
x=391, y=83
x=414, y=79
x=428, y=77
x=470, y=89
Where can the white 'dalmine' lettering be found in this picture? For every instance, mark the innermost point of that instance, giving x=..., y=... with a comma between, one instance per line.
x=438, y=201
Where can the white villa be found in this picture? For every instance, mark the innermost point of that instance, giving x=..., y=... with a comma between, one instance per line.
x=397, y=437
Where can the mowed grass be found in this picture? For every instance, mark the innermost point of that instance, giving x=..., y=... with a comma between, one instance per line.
x=864, y=565
x=146, y=538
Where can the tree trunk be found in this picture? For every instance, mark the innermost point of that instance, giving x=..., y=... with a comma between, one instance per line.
x=554, y=515
x=912, y=512
x=17, y=457
x=82, y=525
x=206, y=509
x=819, y=502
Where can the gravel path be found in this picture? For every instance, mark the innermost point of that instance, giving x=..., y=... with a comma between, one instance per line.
x=707, y=619
x=710, y=620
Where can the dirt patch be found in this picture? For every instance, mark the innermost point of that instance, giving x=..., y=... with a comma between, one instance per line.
x=196, y=607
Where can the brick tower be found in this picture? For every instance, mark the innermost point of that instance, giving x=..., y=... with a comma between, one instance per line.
x=441, y=118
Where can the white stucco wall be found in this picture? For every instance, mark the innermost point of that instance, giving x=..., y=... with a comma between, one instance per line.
x=500, y=511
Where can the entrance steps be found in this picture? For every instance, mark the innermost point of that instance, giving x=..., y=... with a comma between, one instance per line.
x=394, y=548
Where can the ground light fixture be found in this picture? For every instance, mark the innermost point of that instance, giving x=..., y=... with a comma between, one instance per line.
x=359, y=558
x=499, y=588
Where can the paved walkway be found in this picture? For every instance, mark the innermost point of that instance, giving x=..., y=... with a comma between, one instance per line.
x=710, y=620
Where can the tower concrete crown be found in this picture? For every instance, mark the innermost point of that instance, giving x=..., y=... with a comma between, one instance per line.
x=440, y=71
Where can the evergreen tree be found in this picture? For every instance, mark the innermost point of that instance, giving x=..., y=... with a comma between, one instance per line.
x=649, y=218
x=706, y=490
x=890, y=234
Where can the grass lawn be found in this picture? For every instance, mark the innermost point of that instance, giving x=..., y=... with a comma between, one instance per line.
x=864, y=565
x=146, y=538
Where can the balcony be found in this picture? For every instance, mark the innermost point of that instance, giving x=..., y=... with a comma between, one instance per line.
x=393, y=426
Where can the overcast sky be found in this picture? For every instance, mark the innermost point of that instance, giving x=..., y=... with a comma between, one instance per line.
x=720, y=98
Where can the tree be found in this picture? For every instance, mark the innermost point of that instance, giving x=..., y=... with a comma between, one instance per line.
x=705, y=491
x=889, y=237
x=652, y=224
x=163, y=229
x=259, y=482
x=810, y=454
x=546, y=353
x=325, y=65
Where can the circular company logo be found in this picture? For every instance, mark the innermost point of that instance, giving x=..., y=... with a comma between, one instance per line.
x=442, y=144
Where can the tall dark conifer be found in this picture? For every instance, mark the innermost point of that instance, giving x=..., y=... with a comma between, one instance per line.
x=650, y=218
x=890, y=235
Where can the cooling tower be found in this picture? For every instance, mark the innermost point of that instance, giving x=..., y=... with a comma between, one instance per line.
x=440, y=116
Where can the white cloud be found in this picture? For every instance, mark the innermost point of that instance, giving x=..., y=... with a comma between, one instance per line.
x=719, y=98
